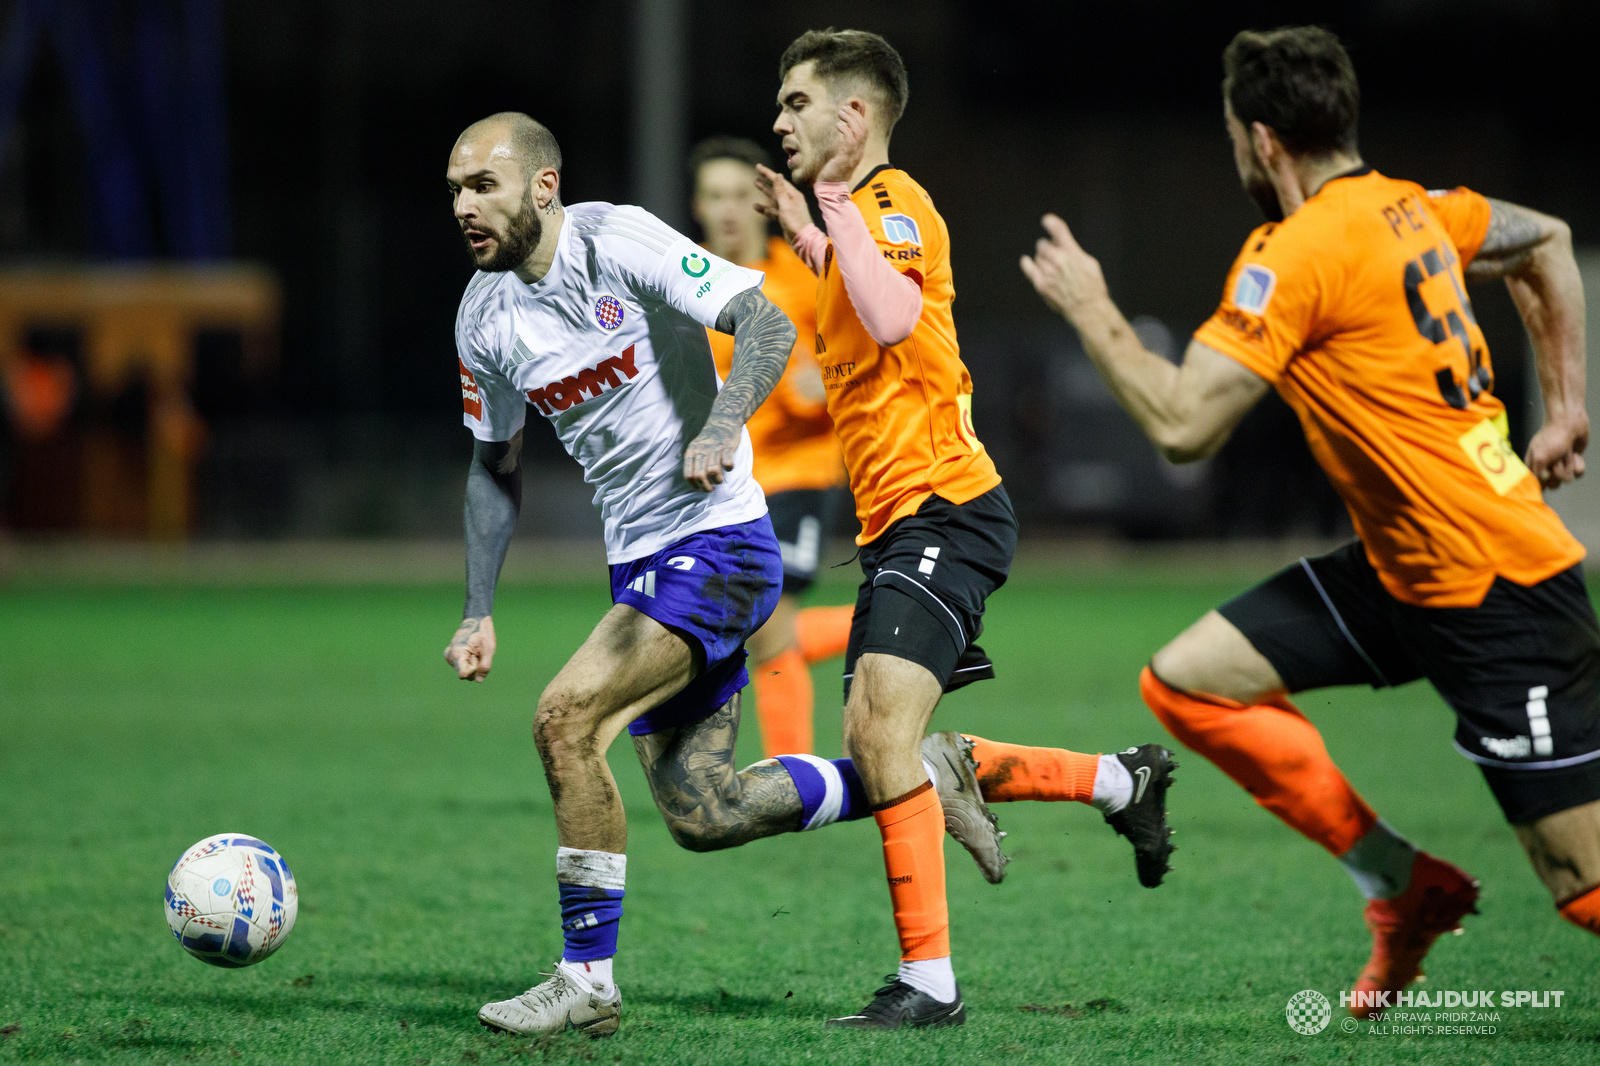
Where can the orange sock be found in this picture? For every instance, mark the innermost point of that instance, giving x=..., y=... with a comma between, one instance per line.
x=1010, y=772
x=1583, y=910
x=824, y=632
x=784, y=700
x=1274, y=752
x=913, y=855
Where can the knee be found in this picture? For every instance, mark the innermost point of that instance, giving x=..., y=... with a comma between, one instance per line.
x=564, y=725
x=1175, y=665
x=1212, y=658
x=858, y=737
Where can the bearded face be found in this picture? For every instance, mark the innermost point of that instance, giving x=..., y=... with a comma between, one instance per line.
x=1252, y=175
x=509, y=247
x=1259, y=189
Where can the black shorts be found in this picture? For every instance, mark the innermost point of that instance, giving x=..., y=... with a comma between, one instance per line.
x=802, y=520
x=1521, y=670
x=926, y=579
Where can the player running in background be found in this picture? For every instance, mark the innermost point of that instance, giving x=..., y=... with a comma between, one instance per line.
x=1350, y=301
x=594, y=315
x=797, y=460
x=937, y=529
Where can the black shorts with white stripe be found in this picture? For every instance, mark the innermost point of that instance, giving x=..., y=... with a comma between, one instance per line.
x=802, y=519
x=1521, y=670
x=926, y=579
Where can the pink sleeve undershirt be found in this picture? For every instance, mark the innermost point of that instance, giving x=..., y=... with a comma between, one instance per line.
x=888, y=302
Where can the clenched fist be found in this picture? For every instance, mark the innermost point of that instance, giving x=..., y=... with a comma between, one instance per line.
x=471, y=650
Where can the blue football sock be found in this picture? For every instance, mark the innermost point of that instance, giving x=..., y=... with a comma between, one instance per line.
x=589, y=920
x=591, y=885
x=830, y=790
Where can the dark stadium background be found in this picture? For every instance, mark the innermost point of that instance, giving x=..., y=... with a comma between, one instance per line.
x=339, y=115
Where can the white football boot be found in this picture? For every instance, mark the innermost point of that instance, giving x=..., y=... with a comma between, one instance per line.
x=551, y=1007
x=966, y=816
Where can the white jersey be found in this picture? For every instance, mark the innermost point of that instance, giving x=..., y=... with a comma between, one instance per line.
x=610, y=345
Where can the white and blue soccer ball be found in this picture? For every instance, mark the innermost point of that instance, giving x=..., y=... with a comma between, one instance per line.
x=231, y=900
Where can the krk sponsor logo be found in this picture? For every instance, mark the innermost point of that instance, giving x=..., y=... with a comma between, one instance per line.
x=607, y=375
x=1249, y=328
x=901, y=229
x=1253, y=291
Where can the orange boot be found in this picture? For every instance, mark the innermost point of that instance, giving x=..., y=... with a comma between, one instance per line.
x=1404, y=928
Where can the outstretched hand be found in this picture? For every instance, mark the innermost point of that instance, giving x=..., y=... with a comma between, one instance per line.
x=471, y=651
x=1062, y=272
x=1555, y=454
x=781, y=202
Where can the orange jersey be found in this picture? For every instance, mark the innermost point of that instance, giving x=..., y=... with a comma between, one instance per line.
x=903, y=414
x=795, y=447
x=1356, y=310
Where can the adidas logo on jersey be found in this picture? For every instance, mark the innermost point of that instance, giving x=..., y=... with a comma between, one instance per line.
x=607, y=375
x=645, y=583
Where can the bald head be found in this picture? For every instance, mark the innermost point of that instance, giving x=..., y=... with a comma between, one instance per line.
x=513, y=135
x=505, y=179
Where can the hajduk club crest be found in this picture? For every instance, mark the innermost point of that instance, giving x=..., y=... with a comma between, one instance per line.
x=608, y=312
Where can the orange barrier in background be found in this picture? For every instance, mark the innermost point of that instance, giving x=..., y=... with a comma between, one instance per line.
x=138, y=324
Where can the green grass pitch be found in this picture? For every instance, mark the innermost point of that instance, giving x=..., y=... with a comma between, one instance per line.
x=134, y=722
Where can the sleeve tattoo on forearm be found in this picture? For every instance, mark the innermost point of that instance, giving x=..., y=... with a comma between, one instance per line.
x=493, y=501
x=763, y=337
x=1514, y=232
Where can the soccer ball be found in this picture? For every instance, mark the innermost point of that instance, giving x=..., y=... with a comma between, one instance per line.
x=231, y=900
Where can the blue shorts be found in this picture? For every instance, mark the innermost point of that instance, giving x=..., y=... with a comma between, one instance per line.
x=717, y=586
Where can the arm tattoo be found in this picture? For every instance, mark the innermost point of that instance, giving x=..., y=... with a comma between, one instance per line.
x=494, y=499
x=763, y=337
x=705, y=803
x=1514, y=232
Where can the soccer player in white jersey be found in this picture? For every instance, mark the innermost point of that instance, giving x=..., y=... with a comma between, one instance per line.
x=595, y=316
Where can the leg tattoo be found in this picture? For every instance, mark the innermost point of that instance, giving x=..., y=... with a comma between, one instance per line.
x=706, y=804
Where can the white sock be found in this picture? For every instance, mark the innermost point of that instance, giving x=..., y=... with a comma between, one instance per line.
x=933, y=976
x=1113, y=785
x=596, y=973
x=932, y=772
x=1380, y=862
x=598, y=869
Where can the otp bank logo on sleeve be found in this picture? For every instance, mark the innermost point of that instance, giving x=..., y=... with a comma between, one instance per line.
x=901, y=229
x=1253, y=290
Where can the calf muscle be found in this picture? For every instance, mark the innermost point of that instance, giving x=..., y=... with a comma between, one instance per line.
x=1565, y=850
x=705, y=803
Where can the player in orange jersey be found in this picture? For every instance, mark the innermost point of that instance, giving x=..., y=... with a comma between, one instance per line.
x=1351, y=302
x=797, y=461
x=937, y=530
